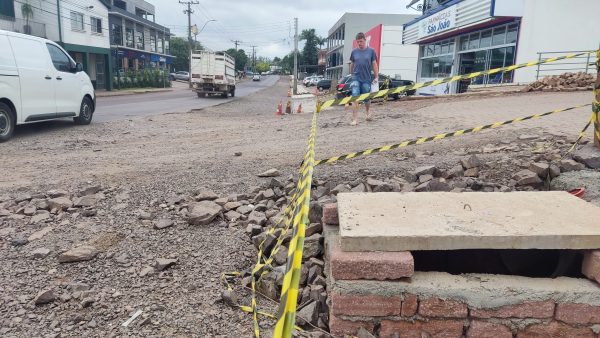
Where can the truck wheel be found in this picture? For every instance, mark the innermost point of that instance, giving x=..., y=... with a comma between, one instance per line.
x=85, y=112
x=233, y=92
x=224, y=94
x=201, y=94
x=7, y=122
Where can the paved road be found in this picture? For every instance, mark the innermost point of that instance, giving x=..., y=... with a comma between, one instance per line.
x=179, y=100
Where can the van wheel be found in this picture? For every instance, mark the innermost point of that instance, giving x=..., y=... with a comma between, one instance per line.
x=85, y=112
x=7, y=122
x=224, y=94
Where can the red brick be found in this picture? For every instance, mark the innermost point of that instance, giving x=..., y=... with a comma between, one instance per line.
x=409, y=305
x=578, y=313
x=370, y=265
x=591, y=265
x=439, y=308
x=339, y=327
x=555, y=330
x=544, y=309
x=365, y=305
x=330, y=214
x=480, y=329
x=418, y=329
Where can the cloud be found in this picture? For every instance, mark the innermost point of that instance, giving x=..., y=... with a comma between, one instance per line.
x=267, y=24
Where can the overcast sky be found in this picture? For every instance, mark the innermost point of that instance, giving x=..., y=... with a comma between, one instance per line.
x=267, y=24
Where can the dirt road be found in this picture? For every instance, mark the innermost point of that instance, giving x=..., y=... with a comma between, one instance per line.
x=142, y=163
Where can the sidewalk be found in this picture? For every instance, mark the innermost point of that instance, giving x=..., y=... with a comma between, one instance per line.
x=132, y=91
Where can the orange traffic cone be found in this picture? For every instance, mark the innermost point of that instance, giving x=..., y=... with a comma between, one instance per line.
x=279, y=109
x=288, y=107
x=299, y=110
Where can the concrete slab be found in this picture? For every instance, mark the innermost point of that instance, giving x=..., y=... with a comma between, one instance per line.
x=452, y=221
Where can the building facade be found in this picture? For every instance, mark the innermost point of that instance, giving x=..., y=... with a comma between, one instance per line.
x=80, y=27
x=343, y=32
x=464, y=36
x=136, y=41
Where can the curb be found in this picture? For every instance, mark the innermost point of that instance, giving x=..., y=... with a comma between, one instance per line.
x=135, y=92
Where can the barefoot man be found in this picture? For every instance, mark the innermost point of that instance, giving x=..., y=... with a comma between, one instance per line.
x=363, y=61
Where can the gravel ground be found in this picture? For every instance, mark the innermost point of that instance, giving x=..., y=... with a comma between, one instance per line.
x=142, y=164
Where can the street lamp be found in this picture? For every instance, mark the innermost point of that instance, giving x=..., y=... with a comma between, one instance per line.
x=195, y=30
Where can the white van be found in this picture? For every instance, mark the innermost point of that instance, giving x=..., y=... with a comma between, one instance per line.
x=39, y=81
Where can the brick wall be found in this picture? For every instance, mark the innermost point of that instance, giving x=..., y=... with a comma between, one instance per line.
x=408, y=315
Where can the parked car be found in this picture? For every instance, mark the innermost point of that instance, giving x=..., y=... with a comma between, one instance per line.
x=256, y=77
x=385, y=82
x=307, y=80
x=324, y=84
x=181, y=75
x=39, y=81
x=315, y=80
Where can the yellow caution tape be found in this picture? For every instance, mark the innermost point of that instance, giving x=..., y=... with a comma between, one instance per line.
x=455, y=78
x=441, y=136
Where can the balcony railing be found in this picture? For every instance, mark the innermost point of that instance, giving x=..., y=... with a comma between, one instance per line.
x=22, y=26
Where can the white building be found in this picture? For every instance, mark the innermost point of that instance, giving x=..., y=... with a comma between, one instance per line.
x=465, y=36
x=341, y=37
x=80, y=27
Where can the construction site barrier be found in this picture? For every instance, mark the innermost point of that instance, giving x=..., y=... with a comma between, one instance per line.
x=295, y=215
x=401, y=89
x=422, y=140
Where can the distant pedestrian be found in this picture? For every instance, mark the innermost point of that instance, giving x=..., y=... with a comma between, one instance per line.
x=363, y=62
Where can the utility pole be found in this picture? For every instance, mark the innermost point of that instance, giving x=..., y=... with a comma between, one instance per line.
x=189, y=12
x=59, y=22
x=253, y=59
x=236, y=43
x=295, y=56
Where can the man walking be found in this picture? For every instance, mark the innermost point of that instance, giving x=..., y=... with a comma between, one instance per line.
x=363, y=61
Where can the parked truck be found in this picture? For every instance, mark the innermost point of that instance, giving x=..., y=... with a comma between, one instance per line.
x=213, y=73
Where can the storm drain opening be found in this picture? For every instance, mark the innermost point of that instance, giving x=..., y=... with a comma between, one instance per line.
x=525, y=263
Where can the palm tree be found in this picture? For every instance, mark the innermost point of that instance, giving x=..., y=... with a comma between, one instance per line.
x=321, y=41
x=27, y=12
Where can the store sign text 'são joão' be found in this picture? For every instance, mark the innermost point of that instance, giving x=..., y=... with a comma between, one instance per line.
x=438, y=22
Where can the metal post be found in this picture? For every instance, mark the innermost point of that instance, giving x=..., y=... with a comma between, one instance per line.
x=587, y=62
x=295, y=91
x=189, y=12
x=596, y=104
x=537, y=74
x=59, y=22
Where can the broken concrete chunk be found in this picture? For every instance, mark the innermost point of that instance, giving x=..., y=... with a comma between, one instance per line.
x=526, y=177
x=79, y=254
x=270, y=173
x=203, y=213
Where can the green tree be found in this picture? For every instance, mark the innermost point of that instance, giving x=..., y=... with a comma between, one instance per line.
x=287, y=63
x=310, y=53
x=241, y=59
x=321, y=41
x=263, y=66
x=180, y=49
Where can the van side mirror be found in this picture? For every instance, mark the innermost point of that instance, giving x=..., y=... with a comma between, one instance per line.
x=78, y=67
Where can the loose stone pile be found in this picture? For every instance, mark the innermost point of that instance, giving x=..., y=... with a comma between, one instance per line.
x=566, y=82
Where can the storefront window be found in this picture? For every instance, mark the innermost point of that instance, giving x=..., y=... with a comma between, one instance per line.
x=160, y=44
x=511, y=34
x=167, y=48
x=486, y=39
x=499, y=36
x=474, y=41
x=436, y=67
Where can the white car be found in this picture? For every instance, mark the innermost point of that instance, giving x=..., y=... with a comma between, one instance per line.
x=39, y=81
x=256, y=77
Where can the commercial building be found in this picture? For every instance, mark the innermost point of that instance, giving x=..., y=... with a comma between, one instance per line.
x=465, y=36
x=136, y=40
x=343, y=32
x=80, y=27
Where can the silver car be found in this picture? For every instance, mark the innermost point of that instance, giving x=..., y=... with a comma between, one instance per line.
x=181, y=75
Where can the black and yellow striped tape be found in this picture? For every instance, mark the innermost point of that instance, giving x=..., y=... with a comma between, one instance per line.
x=441, y=136
x=286, y=314
x=401, y=89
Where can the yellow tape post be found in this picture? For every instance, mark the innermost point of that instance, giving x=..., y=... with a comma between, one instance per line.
x=441, y=136
x=401, y=89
